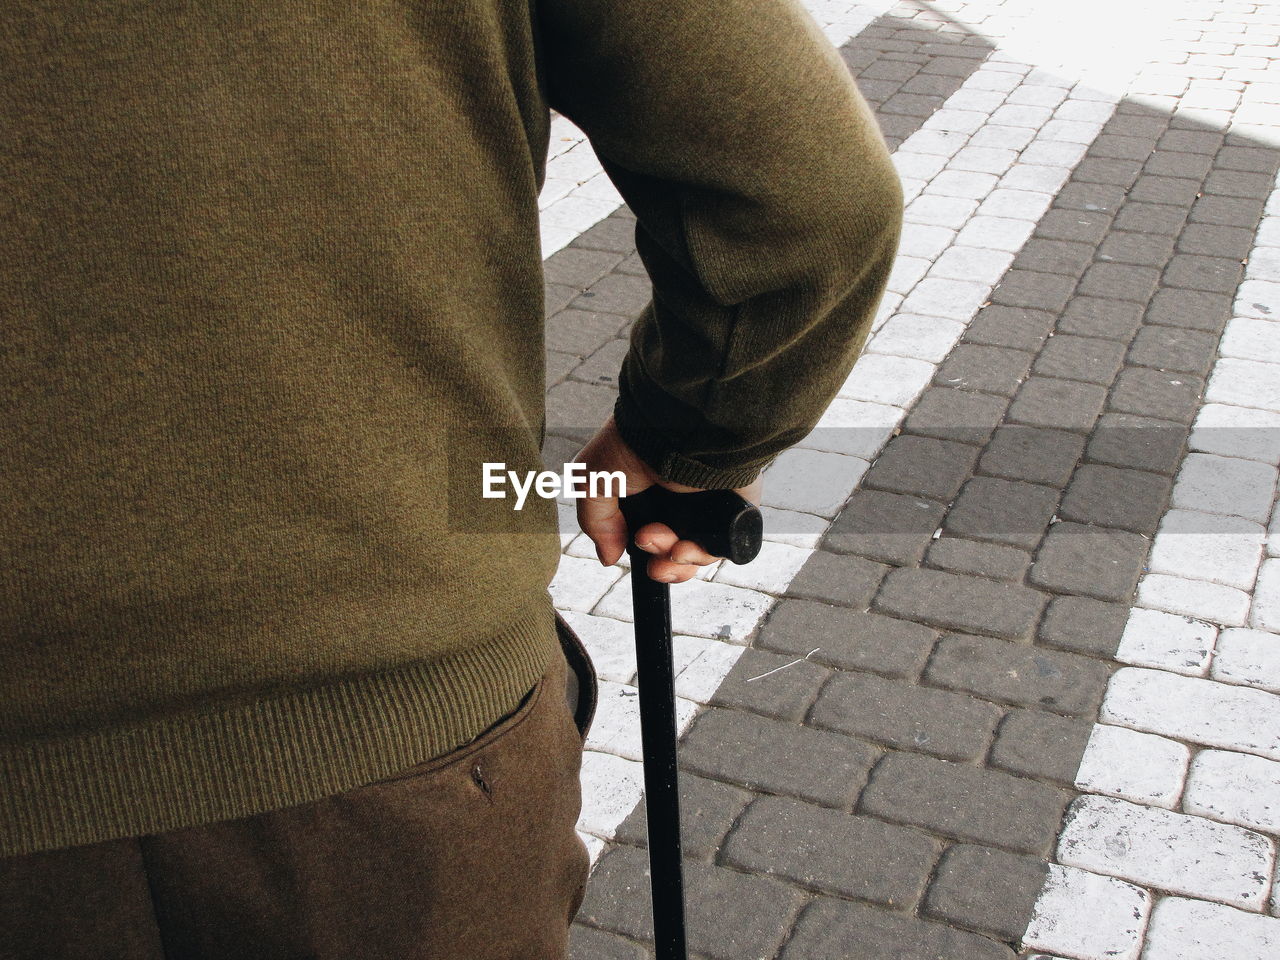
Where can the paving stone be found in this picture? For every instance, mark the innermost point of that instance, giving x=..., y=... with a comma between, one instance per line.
x=1112, y=497
x=1235, y=788
x=1084, y=226
x=708, y=809
x=1013, y=327
x=956, y=415
x=1154, y=638
x=786, y=694
x=1096, y=317
x=556, y=297
x=885, y=526
x=1169, y=163
x=1249, y=338
x=781, y=758
x=1216, y=240
x=828, y=928
x=1245, y=383
x=1035, y=454
x=1225, y=485
x=964, y=802
x=1196, y=930
x=614, y=233
x=1089, y=196
x=1006, y=511
x=1090, y=561
x=1080, y=358
x=1248, y=657
x=1036, y=291
x=1141, y=767
x=1154, y=218
x=1193, y=272
x=1044, y=746
x=956, y=602
x=1178, y=191
x=992, y=560
x=588, y=943
x=1173, y=851
x=1194, y=598
x=1173, y=348
x=1226, y=550
x=832, y=851
x=836, y=578
x=1196, y=310
x=578, y=267
x=1082, y=914
x=987, y=369
x=602, y=367
x=1191, y=141
x=1122, y=173
x=581, y=332
x=558, y=366
x=847, y=639
x=923, y=467
x=906, y=717
x=1122, y=147
x=1141, y=249
x=1064, y=404
x=1156, y=393
x=1018, y=674
x=1084, y=625
x=986, y=890
x=1192, y=708
x=1142, y=443
x=617, y=293
x=1229, y=211
x=1120, y=281
x=730, y=915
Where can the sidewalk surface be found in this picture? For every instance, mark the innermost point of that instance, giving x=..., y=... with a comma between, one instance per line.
x=1005, y=681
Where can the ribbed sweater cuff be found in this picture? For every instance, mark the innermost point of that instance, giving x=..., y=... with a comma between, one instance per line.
x=656, y=450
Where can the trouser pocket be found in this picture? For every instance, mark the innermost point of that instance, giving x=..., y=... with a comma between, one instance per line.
x=583, y=693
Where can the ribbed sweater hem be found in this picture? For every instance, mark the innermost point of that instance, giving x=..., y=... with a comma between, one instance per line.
x=269, y=754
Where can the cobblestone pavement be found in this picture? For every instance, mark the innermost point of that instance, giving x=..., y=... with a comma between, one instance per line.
x=1004, y=681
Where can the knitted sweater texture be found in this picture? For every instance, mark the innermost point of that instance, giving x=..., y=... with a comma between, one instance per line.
x=270, y=294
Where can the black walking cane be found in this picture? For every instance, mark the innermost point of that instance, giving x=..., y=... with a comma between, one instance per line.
x=725, y=525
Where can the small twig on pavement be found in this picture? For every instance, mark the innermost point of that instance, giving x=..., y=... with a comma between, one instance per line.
x=785, y=665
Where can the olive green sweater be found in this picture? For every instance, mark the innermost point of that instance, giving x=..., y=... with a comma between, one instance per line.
x=271, y=292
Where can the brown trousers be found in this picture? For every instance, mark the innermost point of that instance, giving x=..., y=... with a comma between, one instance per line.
x=472, y=855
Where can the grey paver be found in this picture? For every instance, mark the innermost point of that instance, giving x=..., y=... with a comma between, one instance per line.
x=581, y=332
x=1196, y=309
x=848, y=639
x=1156, y=393
x=1120, y=281
x=964, y=802
x=958, y=602
x=1090, y=561
x=1216, y=240
x=1113, y=497
x=885, y=526
x=1096, y=317
x=589, y=943
x=922, y=466
x=822, y=849
x=1229, y=211
x=1036, y=454
x=1181, y=164
x=1065, y=404
x=994, y=560
x=601, y=368
x=777, y=757
x=1086, y=226
x=731, y=915
x=1154, y=218
x=708, y=808
x=1036, y=291
x=986, y=890
x=828, y=928
x=1196, y=272
x=575, y=404
x=786, y=694
x=614, y=233
x=1014, y=327
x=1084, y=625
x=1148, y=250
x=1173, y=348
x=1143, y=443
x=987, y=369
x=579, y=267
x=1055, y=256
x=1043, y=746
x=836, y=578
x=1006, y=511
x=956, y=415
x=616, y=293
x=1089, y=359
x=1018, y=674
x=1179, y=191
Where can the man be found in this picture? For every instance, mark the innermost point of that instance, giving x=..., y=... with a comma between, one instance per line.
x=276, y=681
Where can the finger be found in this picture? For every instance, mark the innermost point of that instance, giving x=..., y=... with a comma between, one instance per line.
x=656, y=538
x=602, y=521
x=665, y=570
x=687, y=551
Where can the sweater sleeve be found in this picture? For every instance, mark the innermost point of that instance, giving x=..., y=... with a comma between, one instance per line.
x=768, y=216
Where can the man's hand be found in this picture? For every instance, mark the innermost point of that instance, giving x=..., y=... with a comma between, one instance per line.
x=674, y=560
